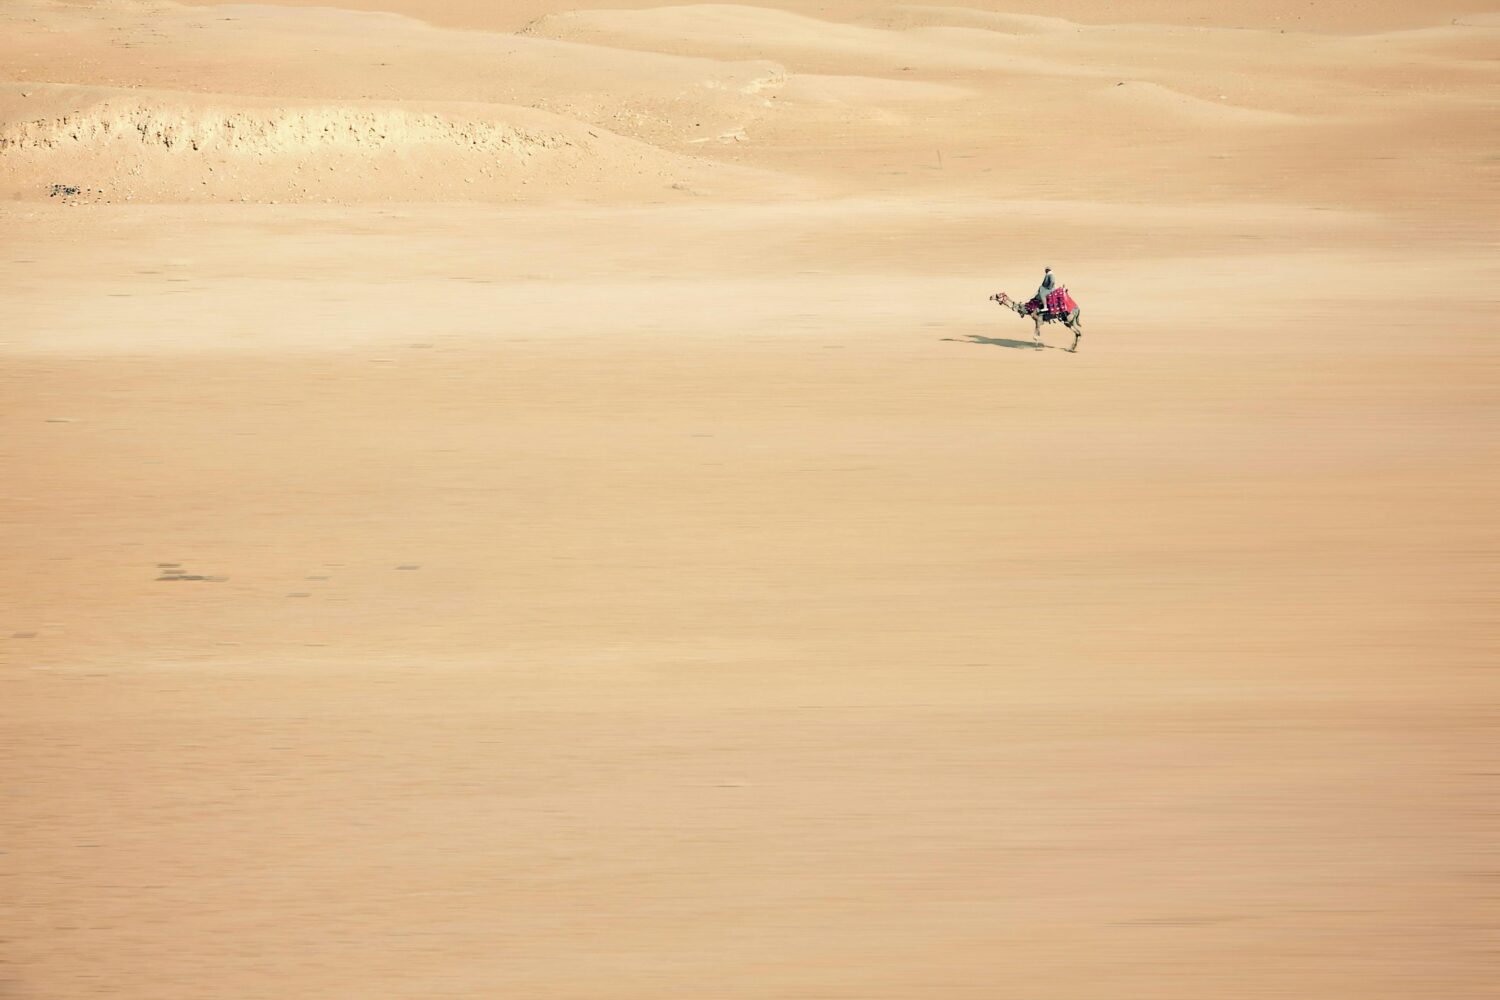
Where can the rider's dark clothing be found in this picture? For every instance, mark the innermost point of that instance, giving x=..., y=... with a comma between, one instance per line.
x=1048, y=284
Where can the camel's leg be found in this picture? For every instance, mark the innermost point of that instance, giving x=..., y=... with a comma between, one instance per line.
x=1036, y=323
x=1077, y=327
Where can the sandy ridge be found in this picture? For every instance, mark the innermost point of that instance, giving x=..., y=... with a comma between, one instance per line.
x=578, y=565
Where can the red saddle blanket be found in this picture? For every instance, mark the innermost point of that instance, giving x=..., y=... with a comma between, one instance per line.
x=1058, y=301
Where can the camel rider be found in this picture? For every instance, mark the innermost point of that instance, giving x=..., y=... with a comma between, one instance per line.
x=1048, y=284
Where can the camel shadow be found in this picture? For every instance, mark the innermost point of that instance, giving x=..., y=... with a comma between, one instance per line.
x=1015, y=345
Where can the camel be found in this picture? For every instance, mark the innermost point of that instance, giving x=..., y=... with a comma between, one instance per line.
x=1070, y=319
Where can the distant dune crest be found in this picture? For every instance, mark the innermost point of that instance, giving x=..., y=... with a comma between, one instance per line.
x=269, y=131
x=193, y=147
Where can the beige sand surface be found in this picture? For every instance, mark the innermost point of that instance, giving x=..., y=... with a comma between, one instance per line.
x=504, y=500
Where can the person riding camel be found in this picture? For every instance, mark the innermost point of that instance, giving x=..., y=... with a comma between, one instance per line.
x=1064, y=310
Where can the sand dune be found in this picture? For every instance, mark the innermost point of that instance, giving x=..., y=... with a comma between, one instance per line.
x=122, y=145
x=282, y=55
x=1370, y=16
x=726, y=85
x=937, y=15
x=593, y=539
x=865, y=93
x=1157, y=101
x=804, y=44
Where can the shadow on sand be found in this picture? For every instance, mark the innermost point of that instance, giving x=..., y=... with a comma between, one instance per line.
x=1015, y=345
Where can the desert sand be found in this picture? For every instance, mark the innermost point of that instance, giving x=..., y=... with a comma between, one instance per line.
x=512, y=500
